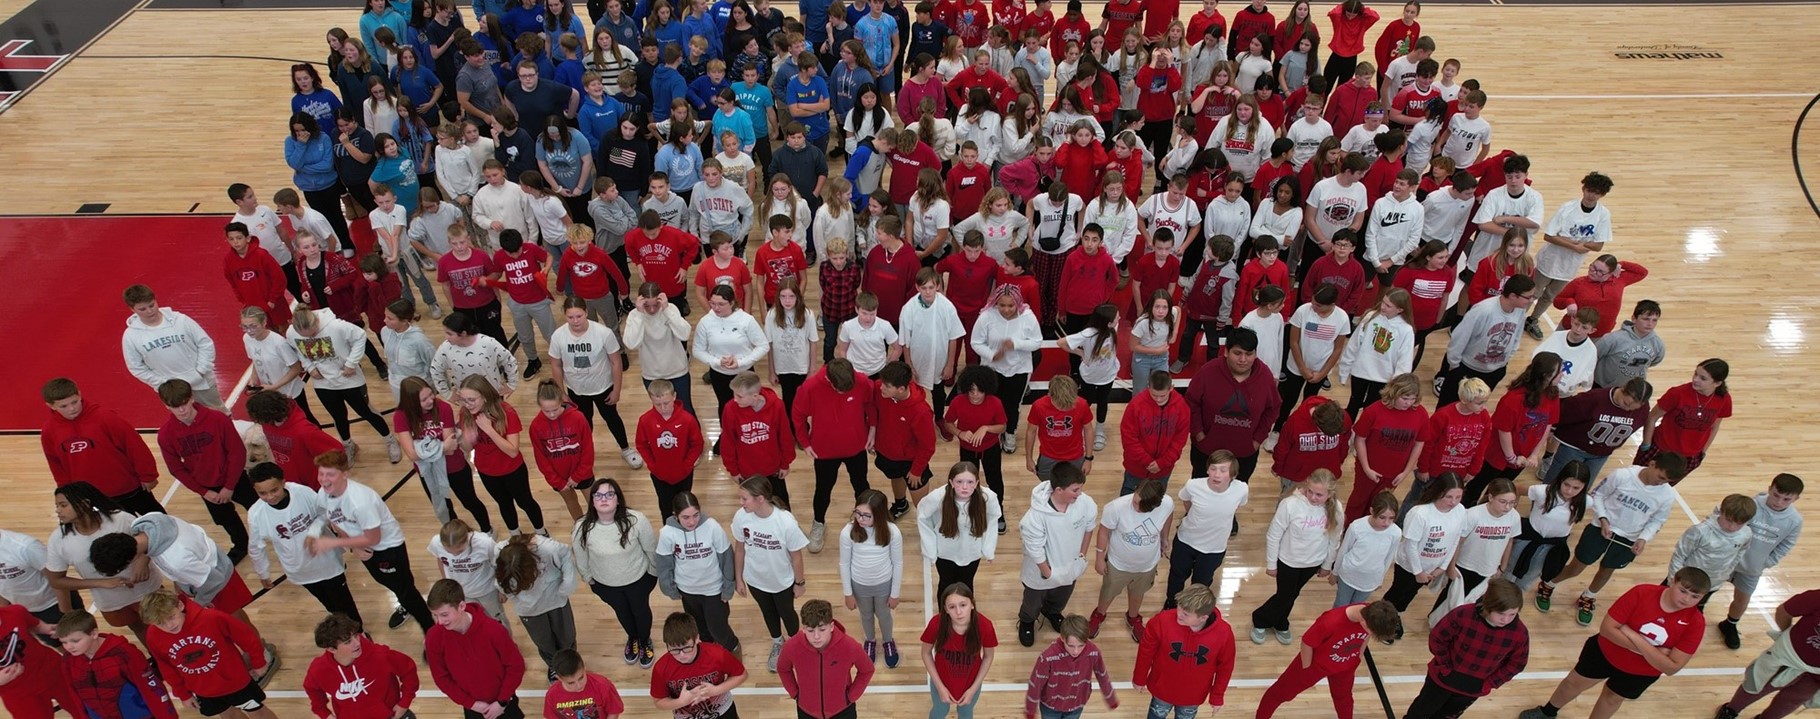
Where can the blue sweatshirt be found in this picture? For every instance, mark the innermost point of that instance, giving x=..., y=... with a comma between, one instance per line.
x=312, y=163
x=672, y=34
x=625, y=32
x=321, y=104
x=701, y=25
x=518, y=19
x=666, y=84
x=703, y=90
x=598, y=118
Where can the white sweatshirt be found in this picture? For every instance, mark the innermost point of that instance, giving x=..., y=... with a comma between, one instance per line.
x=659, y=340
x=486, y=357
x=1055, y=536
x=338, y=345
x=506, y=204
x=1430, y=538
x=1384, y=347
x=866, y=564
x=1634, y=510
x=600, y=558
x=22, y=579
x=1394, y=230
x=736, y=335
x=990, y=332
x=176, y=348
x=286, y=529
x=1482, y=548
x=1298, y=535
x=963, y=548
x=457, y=172
x=829, y=226
x=1005, y=231
x=1365, y=554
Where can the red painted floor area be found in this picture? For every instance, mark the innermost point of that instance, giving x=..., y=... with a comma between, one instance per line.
x=62, y=278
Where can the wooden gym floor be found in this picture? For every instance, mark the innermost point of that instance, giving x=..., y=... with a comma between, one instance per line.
x=161, y=112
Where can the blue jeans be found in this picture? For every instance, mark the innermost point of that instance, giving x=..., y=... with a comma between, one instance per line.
x=1132, y=481
x=1142, y=366
x=938, y=709
x=1047, y=713
x=1344, y=595
x=410, y=271
x=682, y=393
x=1187, y=564
x=1160, y=709
x=1565, y=453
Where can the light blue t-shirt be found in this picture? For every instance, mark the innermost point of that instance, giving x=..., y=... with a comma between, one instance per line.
x=566, y=162
x=755, y=100
x=876, y=34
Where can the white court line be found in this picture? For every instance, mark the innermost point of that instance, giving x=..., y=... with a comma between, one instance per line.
x=1696, y=96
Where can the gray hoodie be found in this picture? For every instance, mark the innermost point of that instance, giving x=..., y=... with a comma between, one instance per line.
x=409, y=353
x=176, y=348
x=1711, y=549
x=1773, y=536
x=556, y=578
x=612, y=220
x=1624, y=354
x=170, y=540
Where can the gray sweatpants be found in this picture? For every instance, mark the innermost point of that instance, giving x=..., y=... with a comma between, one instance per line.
x=524, y=317
x=874, y=610
x=552, y=631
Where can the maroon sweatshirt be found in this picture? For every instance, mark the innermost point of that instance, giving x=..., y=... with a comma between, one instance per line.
x=1235, y=415
x=295, y=444
x=205, y=455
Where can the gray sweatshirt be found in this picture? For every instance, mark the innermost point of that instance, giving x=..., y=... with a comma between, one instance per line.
x=556, y=579
x=726, y=208
x=1487, y=338
x=602, y=559
x=674, y=211
x=1773, y=535
x=171, y=541
x=1624, y=354
x=1711, y=549
x=612, y=220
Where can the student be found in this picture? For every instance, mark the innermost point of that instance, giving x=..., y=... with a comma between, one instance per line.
x=470, y=558
x=801, y=162
x=1387, y=442
x=1628, y=508
x=538, y=574
x=293, y=439
x=953, y=522
x=1317, y=435
x=904, y=431
x=930, y=334
x=1554, y=508
x=835, y=421
x=1267, y=321
x=1716, y=545
x=1060, y=683
x=758, y=441
x=103, y=670
x=591, y=273
x=694, y=678
x=255, y=277
x=331, y=349
x=1786, y=669
x=1686, y=420
x=587, y=369
x=163, y=344
x=1575, y=347
x=1459, y=435
x=1331, y=650
x=1299, y=546
x=1262, y=271
x=276, y=364
x=1336, y=203
x=1485, y=341
x=868, y=340
x=1486, y=542
x=1318, y=338
x=1632, y=349
x=1579, y=227
x=1005, y=337
x=360, y=516
x=1153, y=431
x=768, y=560
x=695, y=565
x=1213, y=387
x=408, y=351
x=1339, y=269
x=618, y=564
x=464, y=271
x=1594, y=424
x=1477, y=648
x=563, y=444
x=285, y=517
x=182, y=552
x=1366, y=552
x=1060, y=431
x=1129, y=542
x=1186, y=656
x=1060, y=522
x=1775, y=529
x=1514, y=206
x=958, y=648
x=662, y=253
x=490, y=428
x=823, y=647
x=472, y=658
x=385, y=680
x=1467, y=137
x=1093, y=345
x=202, y=449
x=85, y=515
x=871, y=569
x=978, y=420
x=1521, y=425
x=213, y=662
x=1431, y=536
x=780, y=260
x=579, y=693
x=428, y=424
x=1624, y=659
x=890, y=273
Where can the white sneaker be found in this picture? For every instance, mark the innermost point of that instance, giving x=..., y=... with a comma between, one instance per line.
x=777, y=647
x=632, y=458
x=351, y=449
x=1099, y=438
x=1010, y=443
x=435, y=312
x=817, y=532
x=1270, y=443
x=392, y=452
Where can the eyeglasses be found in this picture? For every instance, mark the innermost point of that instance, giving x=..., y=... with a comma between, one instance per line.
x=683, y=649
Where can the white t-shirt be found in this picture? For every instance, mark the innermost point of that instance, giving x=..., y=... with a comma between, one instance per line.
x=1421, y=144
x=22, y=572
x=1575, y=223
x=1360, y=140
x=697, y=556
x=359, y=510
x=263, y=224
x=473, y=568
x=1059, y=221
x=790, y=344
x=1444, y=216
x=587, y=361
x=867, y=346
x=271, y=358
x=1307, y=139
x=394, y=220
x=769, y=542
x=1482, y=549
x=737, y=168
x=1334, y=207
x=1097, y=368
x=1430, y=538
x=69, y=550
x=1180, y=220
x=1208, y=522
x=1136, y=541
x=927, y=334
x=1557, y=521
x=1270, y=339
x=315, y=223
x=286, y=529
x=1148, y=333
x=1500, y=203
x=1400, y=74
x=929, y=220
x=1465, y=137
x=1319, y=334
x=1365, y=554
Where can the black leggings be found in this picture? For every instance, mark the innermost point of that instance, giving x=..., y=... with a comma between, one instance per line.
x=514, y=488
x=1339, y=69
x=788, y=384
x=1438, y=702
x=392, y=569
x=711, y=614
x=947, y=573
x=1156, y=137
x=778, y=608
x=328, y=202
x=1364, y=392
x=1403, y=587
x=1192, y=329
x=632, y=604
x=334, y=596
x=990, y=463
x=337, y=402
x=609, y=413
x=1274, y=613
x=1422, y=342
x=461, y=483
x=667, y=492
x=827, y=472
x=1011, y=396
x=1100, y=395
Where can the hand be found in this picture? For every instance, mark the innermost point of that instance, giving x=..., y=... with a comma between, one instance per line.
x=1099, y=565
x=891, y=603
x=1332, y=579
x=142, y=570
x=1153, y=468
x=967, y=697
x=851, y=602
x=363, y=554
x=798, y=590
x=494, y=711
x=397, y=713
x=613, y=395
x=189, y=703
x=1605, y=530
x=312, y=545
x=349, y=371
x=739, y=585
x=1637, y=548
x=947, y=373
x=1271, y=572
x=729, y=362
x=1425, y=577
x=1198, y=436
x=1373, y=476
x=1325, y=574
x=1397, y=481
x=8, y=674
x=1086, y=466
x=1029, y=463
x=497, y=225
x=945, y=696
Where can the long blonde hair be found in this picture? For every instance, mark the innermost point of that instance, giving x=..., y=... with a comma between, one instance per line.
x=1326, y=479
x=493, y=406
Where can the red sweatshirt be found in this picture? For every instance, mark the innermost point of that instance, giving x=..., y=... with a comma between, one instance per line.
x=258, y=281
x=1381, y=177
x=1346, y=106
x=906, y=429
x=372, y=297
x=1233, y=414
x=205, y=455
x=1303, y=448
x=380, y=679
x=208, y=656
x=1487, y=283
x=1132, y=167
x=1182, y=666
x=843, y=420
x=1607, y=297
x=1087, y=281
x=1349, y=32
x=117, y=672
x=295, y=445
x=1456, y=442
x=1338, y=641
x=970, y=78
x=29, y=695
x=1150, y=432
x=1081, y=166
x=824, y=681
x=1349, y=279
x=906, y=165
x=1064, y=683
x=521, y=274
x=1246, y=24
x=1156, y=93
x=966, y=189
x=337, y=290
x=969, y=282
x=670, y=447
x=100, y=448
x=591, y=273
x=662, y=259
x=479, y=665
x=761, y=441
x=1396, y=41
x=1256, y=275
x=564, y=447
x=891, y=277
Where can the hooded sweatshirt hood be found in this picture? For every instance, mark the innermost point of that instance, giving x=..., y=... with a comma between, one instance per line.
x=1054, y=535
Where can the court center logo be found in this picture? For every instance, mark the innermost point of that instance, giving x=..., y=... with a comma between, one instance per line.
x=1666, y=51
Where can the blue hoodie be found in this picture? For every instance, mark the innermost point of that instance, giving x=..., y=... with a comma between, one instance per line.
x=666, y=85
x=519, y=19
x=312, y=163
x=672, y=34
x=703, y=91
x=598, y=118
x=704, y=26
x=625, y=32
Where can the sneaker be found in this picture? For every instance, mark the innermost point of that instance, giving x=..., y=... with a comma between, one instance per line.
x=532, y=368
x=1093, y=624
x=397, y=620
x=777, y=647
x=1001, y=526
x=891, y=655
x=435, y=312
x=1009, y=442
x=551, y=674
x=1026, y=633
x=817, y=532
x=631, y=655
x=1532, y=328
x=352, y=449
x=1725, y=712
x=899, y=508
x=647, y=654
x=1178, y=366
x=392, y=452
x=1270, y=443
x=272, y=663
x=542, y=532
x=385, y=373
x=1535, y=713
x=1728, y=630
x=872, y=651
x=1258, y=634
x=1099, y=438
x=1135, y=623
x=1284, y=637
x=1588, y=605
x=1544, y=593
x=1055, y=622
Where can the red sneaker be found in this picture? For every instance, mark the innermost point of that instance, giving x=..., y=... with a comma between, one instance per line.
x=1135, y=622
x=1094, y=622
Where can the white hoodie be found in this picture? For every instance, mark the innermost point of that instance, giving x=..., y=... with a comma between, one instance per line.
x=1055, y=536
x=992, y=329
x=176, y=348
x=1299, y=535
x=963, y=548
x=337, y=345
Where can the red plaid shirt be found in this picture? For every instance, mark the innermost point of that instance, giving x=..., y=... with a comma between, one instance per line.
x=1472, y=657
x=839, y=289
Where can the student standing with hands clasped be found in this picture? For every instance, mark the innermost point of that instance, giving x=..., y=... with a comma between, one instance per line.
x=872, y=572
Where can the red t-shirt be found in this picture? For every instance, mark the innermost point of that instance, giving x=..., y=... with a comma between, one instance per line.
x=778, y=265
x=488, y=459
x=905, y=166
x=463, y=278
x=1150, y=277
x=1526, y=426
x=435, y=425
x=1641, y=610
x=1059, y=431
x=1390, y=436
x=967, y=416
x=523, y=275
x=1456, y=442
x=1066, y=30
x=1688, y=419
x=1042, y=23
x=1338, y=641
x=597, y=699
x=891, y=277
x=1427, y=292
x=956, y=666
x=712, y=665
x=967, y=19
x=966, y=189
x=735, y=275
x=1413, y=102
x=1119, y=15
x=969, y=281
x=660, y=258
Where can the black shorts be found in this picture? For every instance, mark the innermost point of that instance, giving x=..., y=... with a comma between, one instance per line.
x=1595, y=549
x=900, y=469
x=250, y=698
x=1594, y=665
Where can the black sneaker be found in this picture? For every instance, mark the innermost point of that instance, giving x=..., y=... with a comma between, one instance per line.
x=899, y=508
x=1728, y=631
x=1055, y=622
x=1001, y=526
x=1725, y=712
x=385, y=372
x=1532, y=328
x=1026, y=633
x=397, y=620
x=1235, y=527
x=532, y=368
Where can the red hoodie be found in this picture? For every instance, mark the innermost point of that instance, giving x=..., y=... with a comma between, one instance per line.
x=906, y=429
x=1346, y=107
x=1254, y=276
x=1087, y=281
x=824, y=681
x=1303, y=448
x=843, y=420
x=564, y=447
x=1182, y=666
x=592, y=273
x=1150, y=432
x=1081, y=166
x=29, y=695
x=100, y=448
x=117, y=672
x=762, y=444
x=372, y=296
x=295, y=444
x=1234, y=414
x=208, y=656
x=380, y=679
x=479, y=665
x=670, y=447
x=205, y=455
x=970, y=78
x=258, y=281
